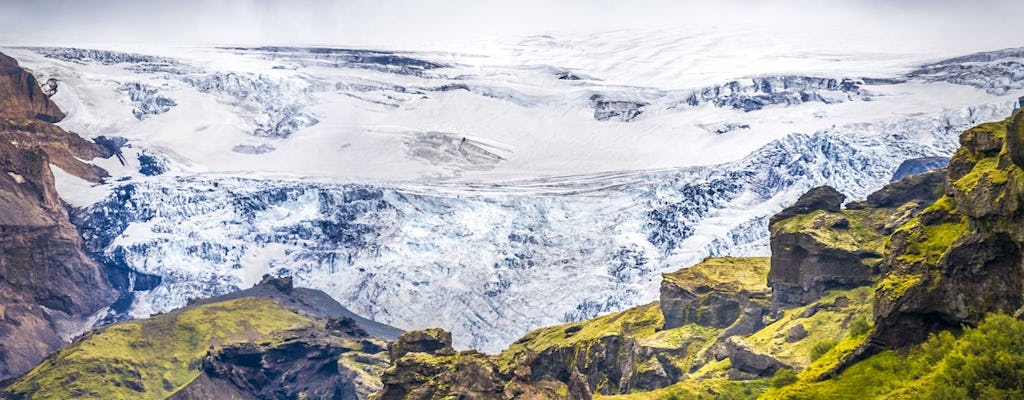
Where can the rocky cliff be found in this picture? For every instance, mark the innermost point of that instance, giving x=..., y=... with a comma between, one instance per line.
x=48, y=287
x=960, y=259
x=21, y=96
x=817, y=246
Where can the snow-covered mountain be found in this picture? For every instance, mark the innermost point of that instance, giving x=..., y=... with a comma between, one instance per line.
x=487, y=194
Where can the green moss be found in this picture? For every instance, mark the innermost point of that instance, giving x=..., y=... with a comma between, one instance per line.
x=985, y=170
x=986, y=362
x=943, y=204
x=828, y=323
x=927, y=244
x=642, y=321
x=155, y=357
x=718, y=388
x=729, y=274
x=895, y=285
x=822, y=347
x=862, y=233
x=832, y=358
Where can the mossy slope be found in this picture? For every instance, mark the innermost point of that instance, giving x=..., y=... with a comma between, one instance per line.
x=152, y=358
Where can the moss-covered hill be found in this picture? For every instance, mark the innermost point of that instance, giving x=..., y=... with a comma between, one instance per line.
x=240, y=346
x=907, y=294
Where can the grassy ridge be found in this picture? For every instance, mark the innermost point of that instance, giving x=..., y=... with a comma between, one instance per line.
x=155, y=357
x=984, y=362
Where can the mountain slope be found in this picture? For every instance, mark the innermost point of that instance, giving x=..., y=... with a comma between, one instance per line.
x=270, y=341
x=48, y=287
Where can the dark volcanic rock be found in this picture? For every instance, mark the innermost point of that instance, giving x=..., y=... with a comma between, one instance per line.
x=745, y=359
x=430, y=341
x=796, y=333
x=803, y=268
x=298, y=363
x=817, y=247
x=820, y=198
x=925, y=187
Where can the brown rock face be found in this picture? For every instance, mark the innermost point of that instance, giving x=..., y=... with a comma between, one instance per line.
x=21, y=96
x=47, y=284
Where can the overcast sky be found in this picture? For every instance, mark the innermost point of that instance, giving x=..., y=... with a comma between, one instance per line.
x=436, y=23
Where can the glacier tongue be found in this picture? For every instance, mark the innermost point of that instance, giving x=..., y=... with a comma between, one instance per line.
x=488, y=262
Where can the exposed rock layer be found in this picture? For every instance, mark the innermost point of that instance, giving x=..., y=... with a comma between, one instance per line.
x=48, y=286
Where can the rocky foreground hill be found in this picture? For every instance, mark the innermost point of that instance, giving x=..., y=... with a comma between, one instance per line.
x=915, y=292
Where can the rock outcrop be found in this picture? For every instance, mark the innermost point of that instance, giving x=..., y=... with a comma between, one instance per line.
x=816, y=246
x=745, y=359
x=700, y=295
x=424, y=366
x=311, y=362
x=272, y=341
x=821, y=250
x=21, y=96
x=48, y=286
x=644, y=348
x=962, y=257
x=824, y=198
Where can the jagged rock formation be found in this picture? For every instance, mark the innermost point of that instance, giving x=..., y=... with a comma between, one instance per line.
x=21, y=96
x=644, y=348
x=961, y=258
x=700, y=296
x=312, y=362
x=48, y=286
x=273, y=341
x=816, y=247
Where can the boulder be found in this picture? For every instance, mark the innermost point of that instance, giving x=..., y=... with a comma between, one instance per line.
x=430, y=341
x=824, y=198
x=745, y=359
x=796, y=333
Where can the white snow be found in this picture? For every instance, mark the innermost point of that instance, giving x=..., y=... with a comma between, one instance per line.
x=566, y=216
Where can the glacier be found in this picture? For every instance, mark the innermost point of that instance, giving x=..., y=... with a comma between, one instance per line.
x=483, y=195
